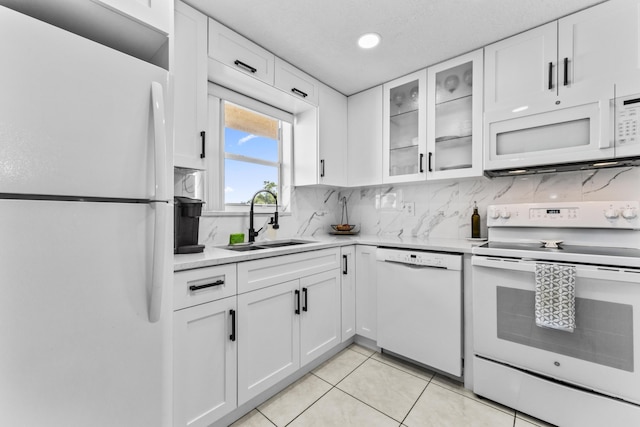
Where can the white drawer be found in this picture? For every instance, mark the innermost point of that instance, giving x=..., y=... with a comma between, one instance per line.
x=241, y=54
x=295, y=82
x=193, y=287
x=265, y=272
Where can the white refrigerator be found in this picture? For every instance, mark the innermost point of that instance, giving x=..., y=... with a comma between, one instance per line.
x=85, y=232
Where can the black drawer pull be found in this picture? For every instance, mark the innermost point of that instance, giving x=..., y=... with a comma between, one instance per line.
x=550, y=75
x=430, y=159
x=305, y=307
x=566, y=71
x=245, y=66
x=202, y=135
x=299, y=92
x=297, y=309
x=232, y=337
x=322, y=168
x=345, y=265
x=421, y=162
x=194, y=288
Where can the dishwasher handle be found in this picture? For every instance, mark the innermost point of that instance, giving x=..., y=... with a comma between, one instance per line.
x=415, y=266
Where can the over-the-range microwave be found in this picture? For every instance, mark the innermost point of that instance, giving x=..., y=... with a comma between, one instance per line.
x=599, y=134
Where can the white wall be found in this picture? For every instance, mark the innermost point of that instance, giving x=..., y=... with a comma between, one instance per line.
x=442, y=209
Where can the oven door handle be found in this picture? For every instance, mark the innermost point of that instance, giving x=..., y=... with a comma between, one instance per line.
x=582, y=271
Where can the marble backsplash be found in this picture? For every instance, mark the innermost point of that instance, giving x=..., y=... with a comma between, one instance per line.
x=440, y=209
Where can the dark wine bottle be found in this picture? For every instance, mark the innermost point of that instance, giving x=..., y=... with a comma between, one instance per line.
x=475, y=222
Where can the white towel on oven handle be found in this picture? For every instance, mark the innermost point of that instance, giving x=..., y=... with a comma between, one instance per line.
x=555, y=305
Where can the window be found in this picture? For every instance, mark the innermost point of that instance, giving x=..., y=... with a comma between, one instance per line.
x=252, y=149
x=254, y=152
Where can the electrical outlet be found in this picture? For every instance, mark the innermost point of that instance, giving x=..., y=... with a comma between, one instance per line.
x=409, y=208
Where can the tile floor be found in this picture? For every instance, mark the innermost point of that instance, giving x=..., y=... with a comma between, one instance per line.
x=359, y=387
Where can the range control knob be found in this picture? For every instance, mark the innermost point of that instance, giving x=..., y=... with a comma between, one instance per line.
x=505, y=214
x=629, y=213
x=494, y=213
x=611, y=213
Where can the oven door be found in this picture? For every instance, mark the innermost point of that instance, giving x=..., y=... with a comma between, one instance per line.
x=602, y=354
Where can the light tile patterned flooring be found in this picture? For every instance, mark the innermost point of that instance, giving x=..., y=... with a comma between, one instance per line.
x=359, y=387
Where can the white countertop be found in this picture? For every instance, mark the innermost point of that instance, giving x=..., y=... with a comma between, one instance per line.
x=216, y=255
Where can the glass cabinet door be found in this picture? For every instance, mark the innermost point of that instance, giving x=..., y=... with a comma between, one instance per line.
x=454, y=119
x=404, y=128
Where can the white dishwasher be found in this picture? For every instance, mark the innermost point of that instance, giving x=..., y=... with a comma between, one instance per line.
x=420, y=307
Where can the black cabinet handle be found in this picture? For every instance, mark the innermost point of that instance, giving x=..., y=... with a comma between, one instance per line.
x=245, y=66
x=305, y=307
x=299, y=92
x=202, y=134
x=566, y=71
x=550, y=75
x=297, y=293
x=322, y=168
x=344, y=264
x=430, y=159
x=421, y=163
x=194, y=288
x=232, y=337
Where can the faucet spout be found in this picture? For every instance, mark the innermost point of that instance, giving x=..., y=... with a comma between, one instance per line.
x=274, y=221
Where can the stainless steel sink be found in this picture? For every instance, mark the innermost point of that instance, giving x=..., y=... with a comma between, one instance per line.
x=257, y=246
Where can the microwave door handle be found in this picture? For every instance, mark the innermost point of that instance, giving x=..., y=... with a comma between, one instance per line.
x=160, y=204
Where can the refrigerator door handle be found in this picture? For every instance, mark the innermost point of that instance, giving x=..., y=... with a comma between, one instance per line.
x=160, y=142
x=161, y=206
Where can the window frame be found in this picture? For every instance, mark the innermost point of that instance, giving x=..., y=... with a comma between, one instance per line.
x=215, y=196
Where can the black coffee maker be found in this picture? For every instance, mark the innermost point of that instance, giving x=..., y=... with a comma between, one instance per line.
x=186, y=219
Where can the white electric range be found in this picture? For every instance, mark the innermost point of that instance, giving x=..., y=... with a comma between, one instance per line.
x=587, y=377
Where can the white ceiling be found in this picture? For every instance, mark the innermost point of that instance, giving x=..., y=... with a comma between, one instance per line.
x=319, y=36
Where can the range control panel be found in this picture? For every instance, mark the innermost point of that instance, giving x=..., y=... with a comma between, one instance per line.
x=419, y=258
x=618, y=214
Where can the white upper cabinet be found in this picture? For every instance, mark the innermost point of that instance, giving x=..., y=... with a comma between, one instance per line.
x=293, y=81
x=140, y=28
x=404, y=129
x=320, y=154
x=454, y=118
x=332, y=137
x=602, y=47
x=364, y=159
x=522, y=69
x=239, y=53
x=154, y=13
x=190, y=83
x=569, y=62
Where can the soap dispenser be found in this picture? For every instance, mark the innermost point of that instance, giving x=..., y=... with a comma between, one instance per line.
x=475, y=222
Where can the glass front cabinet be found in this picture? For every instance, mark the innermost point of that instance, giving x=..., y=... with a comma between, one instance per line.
x=404, y=127
x=454, y=118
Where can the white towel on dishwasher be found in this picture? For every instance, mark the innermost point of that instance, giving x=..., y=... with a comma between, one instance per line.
x=556, y=296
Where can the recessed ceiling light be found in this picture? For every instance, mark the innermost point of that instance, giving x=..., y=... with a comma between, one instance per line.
x=369, y=40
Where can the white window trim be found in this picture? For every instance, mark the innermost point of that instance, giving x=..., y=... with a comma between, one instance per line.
x=215, y=205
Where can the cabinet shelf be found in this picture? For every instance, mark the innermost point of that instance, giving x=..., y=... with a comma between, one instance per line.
x=404, y=147
x=453, y=99
x=404, y=113
x=450, y=141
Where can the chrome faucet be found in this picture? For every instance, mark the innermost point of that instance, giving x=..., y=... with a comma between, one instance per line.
x=274, y=219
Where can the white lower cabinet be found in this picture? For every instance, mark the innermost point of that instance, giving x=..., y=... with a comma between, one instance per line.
x=204, y=362
x=348, y=288
x=283, y=327
x=268, y=338
x=366, y=292
x=288, y=315
x=319, y=315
